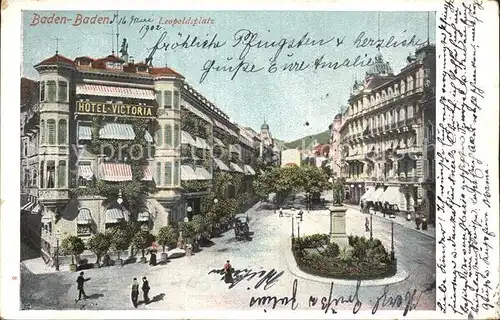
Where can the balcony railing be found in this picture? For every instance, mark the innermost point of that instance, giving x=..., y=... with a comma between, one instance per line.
x=48, y=195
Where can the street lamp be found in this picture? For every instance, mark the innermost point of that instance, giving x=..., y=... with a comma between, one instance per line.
x=298, y=229
x=189, y=211
x=371, y=223
x=216, y=201
x=58, y=236
x=393, y=256
x=120, y=199
x=307, y=198
x=293, y=216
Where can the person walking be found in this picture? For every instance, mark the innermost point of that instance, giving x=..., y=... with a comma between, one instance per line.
x=80, y=281
x=145, y=290
x=135, y=292
x=281, y=212
x=367, y=224
x=228, y=272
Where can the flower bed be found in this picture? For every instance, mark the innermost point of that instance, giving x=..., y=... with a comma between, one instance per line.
x=364, y=259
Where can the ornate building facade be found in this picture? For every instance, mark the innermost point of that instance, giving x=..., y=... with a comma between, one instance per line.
x=96, y=128
x=387, y=137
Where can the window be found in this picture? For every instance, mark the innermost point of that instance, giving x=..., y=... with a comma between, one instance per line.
x=62, y=91
x=167, y=99
x=177, y=133
x=83, y=182
x=158, y=136
x=158, y=173
x=176, y=173
x=61, y=174
x=51, y=91
x=83, y=229
x=41, y=175
x=158, y=97
x=42, y=91
x=168, y=136
x=34, y=182
x=410, y=112
x=51, y=130
x=61, y=135
x=42, y=131
x=51, y=172
x=176, y=99
x=168, y=173
x=26, y=177
x=402, y=116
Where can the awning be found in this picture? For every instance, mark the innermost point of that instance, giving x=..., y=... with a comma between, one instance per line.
x=114, y=215
x=221, y=165
x=115, y=172
x=143, y=216
x=236, y=167
x=375, y=196
x=36, y=209
x=235, y=148
x=249, y=170
x=118, y=131
x=187, y=173
x=84, y=132
x=85, y=172
x=84, y=216
x=220, y=125
x=366, y=194
x=187, y=139
x=202, y=144
x=197, y=112
x=28, y=206
x=120, y=92
x=218, y=142
x=148, y=137
x=391, y=195
x=202, y=174
x=148, y=174
x=231, y=132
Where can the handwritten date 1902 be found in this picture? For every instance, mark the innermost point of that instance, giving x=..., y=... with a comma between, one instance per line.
x=143, y=31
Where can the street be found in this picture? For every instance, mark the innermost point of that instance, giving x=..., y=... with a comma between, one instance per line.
x=188, y=283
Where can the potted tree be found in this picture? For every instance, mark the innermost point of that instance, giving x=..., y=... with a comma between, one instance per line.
x=119, y=241
x=187, y=231
x=141, y=241
x=99, y=244
x=166, y=236
x=199, y=225
x=73, y=246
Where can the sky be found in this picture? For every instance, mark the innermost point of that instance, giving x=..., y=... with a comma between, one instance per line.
x=285, y=99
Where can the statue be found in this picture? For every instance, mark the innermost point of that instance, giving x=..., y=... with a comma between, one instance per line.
x=124, y=47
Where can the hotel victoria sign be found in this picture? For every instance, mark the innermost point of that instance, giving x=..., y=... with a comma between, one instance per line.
x=114, y=109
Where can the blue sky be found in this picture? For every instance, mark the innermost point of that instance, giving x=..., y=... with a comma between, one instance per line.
x=286, y=99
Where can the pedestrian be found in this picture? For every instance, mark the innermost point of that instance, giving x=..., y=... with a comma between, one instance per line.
x=145, y=289
x=228, y=271
x=281, y=212
x=152, y=259
x=135, y=292
x=367, y=224
x=81, y=280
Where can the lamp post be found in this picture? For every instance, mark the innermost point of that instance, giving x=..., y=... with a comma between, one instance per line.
x=307, y=198
x=331, y=224
x=293, y=216
x=298, y=229
x=58, y=235
x=393, y=256
x=189, y=211
x=371, y=224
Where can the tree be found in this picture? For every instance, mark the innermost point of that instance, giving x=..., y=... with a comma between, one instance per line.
x=314, y=179
x=141, y=241
x=74, y=246
x=199, y=224
x=120, y=240
x=99, y=244
x=167, y=236
x=186, y=228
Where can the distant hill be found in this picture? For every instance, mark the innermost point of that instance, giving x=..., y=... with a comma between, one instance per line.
x=307, y=141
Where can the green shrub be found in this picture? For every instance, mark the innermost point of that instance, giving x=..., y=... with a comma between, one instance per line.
x=332, y=250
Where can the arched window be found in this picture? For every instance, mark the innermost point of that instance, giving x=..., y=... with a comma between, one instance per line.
x=410, y=112
x=62, y=91
x=51, y=131
x=62, y=132
x=42, y=131
x=402, y=86
x=430, y=133
x=167, y=140
x=402, y=115
x=61, y=174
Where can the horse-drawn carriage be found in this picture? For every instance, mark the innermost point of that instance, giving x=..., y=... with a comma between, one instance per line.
x=241, y=229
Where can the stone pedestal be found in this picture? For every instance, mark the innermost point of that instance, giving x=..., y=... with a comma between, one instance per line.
x=338, y=226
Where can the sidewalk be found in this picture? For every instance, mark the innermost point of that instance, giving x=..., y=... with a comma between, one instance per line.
x=431, y=230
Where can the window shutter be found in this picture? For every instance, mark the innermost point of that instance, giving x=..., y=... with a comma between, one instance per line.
x=42, y=91
x=177, y=133
x=63, y=91
x=168, y=135
x=158, y=173
x=51, y=91
x=176, y=99
x=158, y=98
x=176, y=173
x=51, y=130
x=61, y=174
x=168, y=173
x=62, y=132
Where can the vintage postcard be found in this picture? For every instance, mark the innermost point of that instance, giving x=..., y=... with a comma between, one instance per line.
x=300, y=160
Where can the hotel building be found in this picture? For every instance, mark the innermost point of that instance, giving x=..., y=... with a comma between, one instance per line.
x=96, y=130
x=387, y=137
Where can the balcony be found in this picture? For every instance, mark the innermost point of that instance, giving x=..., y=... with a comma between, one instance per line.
x=410, y=150
x=53, y=195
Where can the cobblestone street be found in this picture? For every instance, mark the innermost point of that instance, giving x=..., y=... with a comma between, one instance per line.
x=186, y=283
